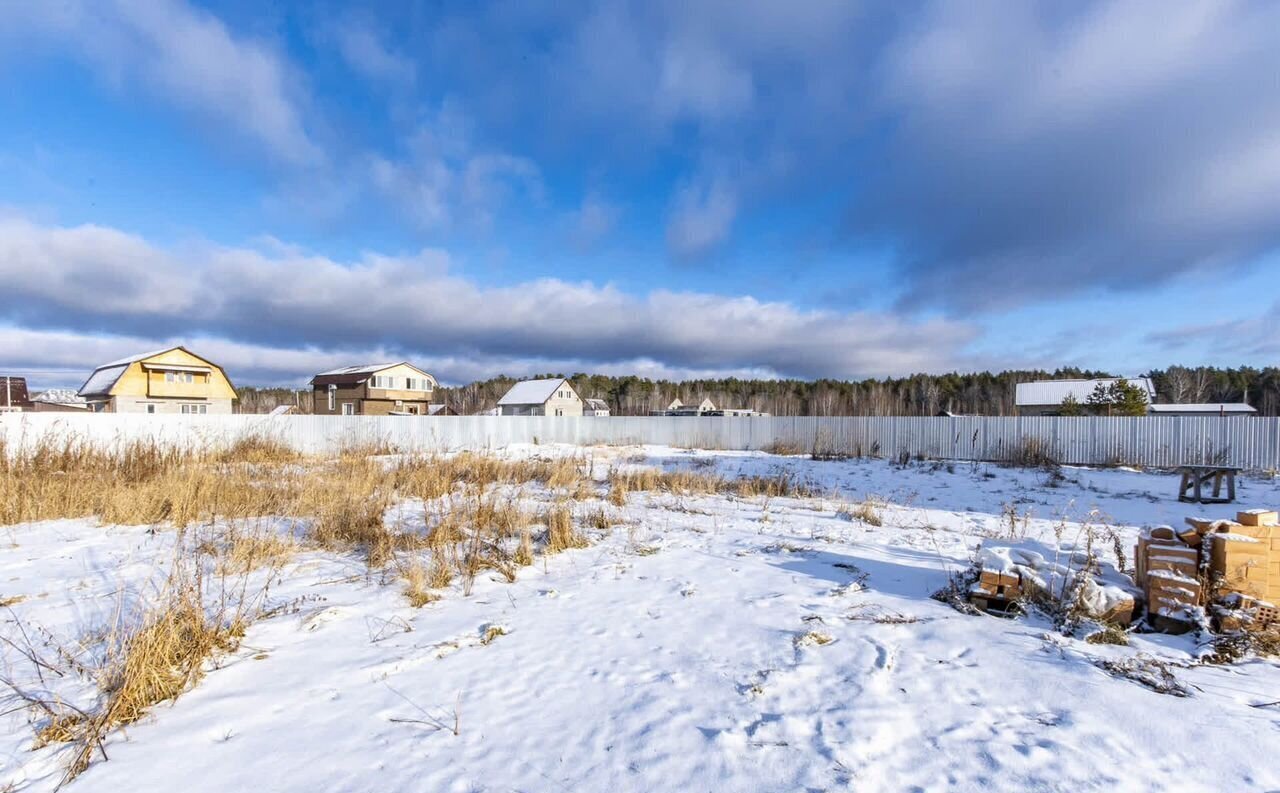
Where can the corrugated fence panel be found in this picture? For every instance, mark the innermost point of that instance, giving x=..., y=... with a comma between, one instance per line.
x=1252, y=443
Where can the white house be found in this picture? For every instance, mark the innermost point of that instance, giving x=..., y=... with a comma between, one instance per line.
x=551, y=397
x=1045, y=397
x=595, y=407
x=678, y=408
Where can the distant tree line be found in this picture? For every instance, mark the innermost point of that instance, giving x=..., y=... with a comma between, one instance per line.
x=978, y=393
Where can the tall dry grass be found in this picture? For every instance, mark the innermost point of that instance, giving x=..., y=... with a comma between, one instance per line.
x=152, y=653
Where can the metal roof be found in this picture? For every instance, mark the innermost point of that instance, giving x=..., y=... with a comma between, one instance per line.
x=1053, y=392
x=532, y=392
x=368, y=368
x=104, y=377
x=1198, y=407
x=350, y=375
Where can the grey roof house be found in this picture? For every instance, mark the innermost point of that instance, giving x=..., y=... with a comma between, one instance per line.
x=1045, y=397
x=550, y=397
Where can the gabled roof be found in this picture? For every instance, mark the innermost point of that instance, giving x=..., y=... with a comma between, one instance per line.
x=351, y=375
x=1053, y=392
x=104, y=377
x=532, y=392
x=368, y=368
x=597, y=404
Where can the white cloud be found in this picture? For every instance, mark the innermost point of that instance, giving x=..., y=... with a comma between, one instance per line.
x=591, y=222
x=701, y=218
x=183, y=53
x=365, y=51
x=446, y=179
x=301, y=311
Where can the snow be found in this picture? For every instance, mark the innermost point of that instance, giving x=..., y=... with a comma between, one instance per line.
x=682, y=666
x=60, y=396
x=531, y=392
x=102, y=380
x=361, y=369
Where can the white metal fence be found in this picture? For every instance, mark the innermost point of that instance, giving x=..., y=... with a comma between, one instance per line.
x=1252, y=443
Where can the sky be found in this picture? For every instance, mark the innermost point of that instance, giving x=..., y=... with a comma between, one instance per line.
x=819, y=188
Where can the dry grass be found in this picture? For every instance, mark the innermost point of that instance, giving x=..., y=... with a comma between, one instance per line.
x=867, y=512
x=255, y=504
x=417, y=584
x=244, y=551
x=151, y=655
x=561, y=534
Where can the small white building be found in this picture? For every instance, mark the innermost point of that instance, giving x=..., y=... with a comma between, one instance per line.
x=1045, y=397
x=1204, y=409
x=550, y=397
x=678, y=408
x=595, y=407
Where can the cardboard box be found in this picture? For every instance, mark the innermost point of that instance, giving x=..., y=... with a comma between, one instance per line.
x=1258, y=517
x=1119, y=614
x=1178, y=558
x=992, y=578
x=1253, y=532
x=1168, y=589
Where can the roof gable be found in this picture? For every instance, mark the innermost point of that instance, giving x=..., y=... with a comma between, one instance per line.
x=534, y=392
x=105, y=377
x=348, y=375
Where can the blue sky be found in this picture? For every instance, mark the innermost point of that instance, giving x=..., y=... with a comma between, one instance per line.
x=812, y=189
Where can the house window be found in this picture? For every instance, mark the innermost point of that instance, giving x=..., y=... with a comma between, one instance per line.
x=151, y=408
x=195, y=409
x=333, y=395
x=348, y=409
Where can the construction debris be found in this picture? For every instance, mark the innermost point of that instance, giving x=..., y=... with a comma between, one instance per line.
x=1232, y=567
x=1065, y=579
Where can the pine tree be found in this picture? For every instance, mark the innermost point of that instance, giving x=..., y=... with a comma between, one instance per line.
x=1071, y=406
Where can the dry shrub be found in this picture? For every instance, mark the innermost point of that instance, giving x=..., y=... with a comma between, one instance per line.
x=867, y=512
x=599, y=519
x=814, y=639
x=441, y=574
x=417, y=584
x=243, y=552
x=781, y=448
x=258, y=449
x=618, y=489
x=152, y=656
x=561, y=535
x=688, y=482
x=524, y=551
x=780, y=485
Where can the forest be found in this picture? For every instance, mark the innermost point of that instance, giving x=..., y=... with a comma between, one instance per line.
x=976, y=393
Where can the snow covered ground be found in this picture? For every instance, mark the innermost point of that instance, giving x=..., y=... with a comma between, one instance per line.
x=682, y=651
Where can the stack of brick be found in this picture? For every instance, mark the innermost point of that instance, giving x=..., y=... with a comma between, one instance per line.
x=1240, y=557
x=1244, y=557
x=1171, y=569
x=995, y=590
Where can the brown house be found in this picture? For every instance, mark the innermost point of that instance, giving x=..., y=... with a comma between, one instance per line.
x=382, y=389
x=13, y=394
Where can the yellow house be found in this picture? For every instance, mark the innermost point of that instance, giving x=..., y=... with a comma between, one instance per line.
x=174, y=380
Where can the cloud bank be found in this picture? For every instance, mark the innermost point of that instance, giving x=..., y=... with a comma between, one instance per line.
x=88, y=280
